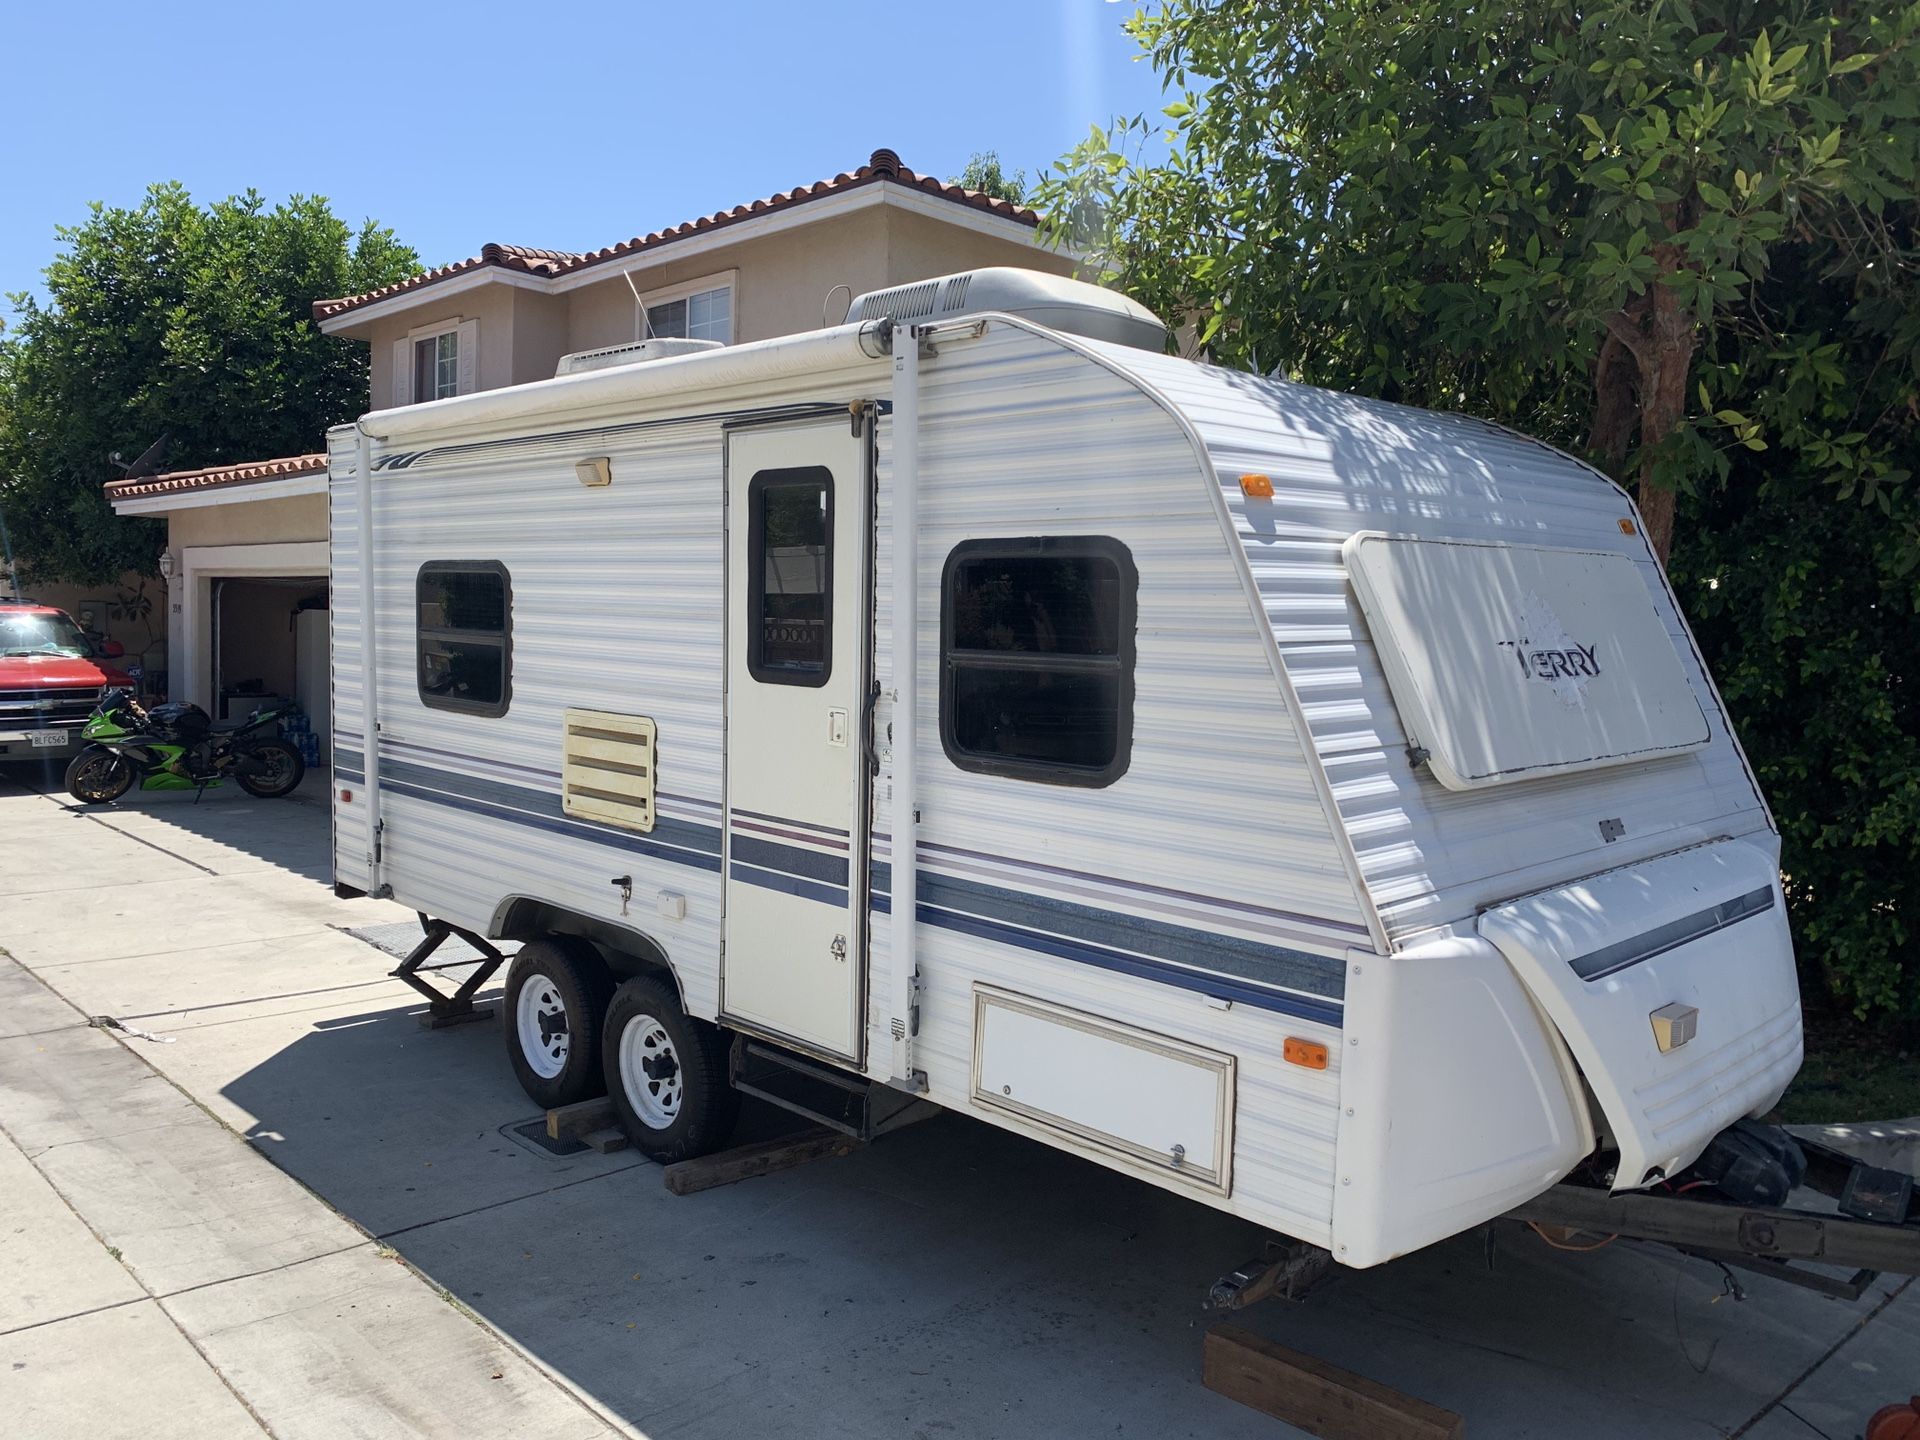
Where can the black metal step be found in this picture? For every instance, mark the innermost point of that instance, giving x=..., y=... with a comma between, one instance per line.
x=803, y=1086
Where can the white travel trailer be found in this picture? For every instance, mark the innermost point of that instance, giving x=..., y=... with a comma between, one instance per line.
x=1318, y=807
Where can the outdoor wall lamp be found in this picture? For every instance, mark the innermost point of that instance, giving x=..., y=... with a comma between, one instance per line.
x=166, y=564
x=596, y=470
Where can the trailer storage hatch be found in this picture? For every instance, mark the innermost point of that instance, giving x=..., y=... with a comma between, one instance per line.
x=1508, y=662
x=1673, y=984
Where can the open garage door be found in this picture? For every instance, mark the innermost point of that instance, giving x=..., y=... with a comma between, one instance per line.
x=269, y=644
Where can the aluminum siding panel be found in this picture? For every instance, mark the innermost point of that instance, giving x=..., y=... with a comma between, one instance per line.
x=1216, y=825
x=343, y=621
x=1340, y=464
x=618, y=603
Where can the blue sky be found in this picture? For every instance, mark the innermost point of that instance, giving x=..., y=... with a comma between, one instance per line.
x=569, y=126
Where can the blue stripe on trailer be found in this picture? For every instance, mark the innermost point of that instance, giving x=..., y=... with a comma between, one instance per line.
x=790, y=885
x=1227, y=967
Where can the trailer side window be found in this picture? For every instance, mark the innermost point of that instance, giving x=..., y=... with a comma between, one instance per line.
x=1036, y=652
x=790, y=576
x=464, y=610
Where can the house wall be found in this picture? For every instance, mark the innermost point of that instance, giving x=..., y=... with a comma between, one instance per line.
x=779, y=280
x=252, y=522
x=540, y=335
x=133, y=634
x=492, y=306
x=919, y=246
x=781, y=284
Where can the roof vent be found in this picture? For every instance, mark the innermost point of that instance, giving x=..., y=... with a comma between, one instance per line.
x=636, y=353
x=906, y=302
x=884, y=162
x=1071, y=306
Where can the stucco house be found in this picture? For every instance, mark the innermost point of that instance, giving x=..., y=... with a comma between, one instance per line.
x=246, y=556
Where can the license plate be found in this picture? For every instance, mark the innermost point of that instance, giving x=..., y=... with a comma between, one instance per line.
x=47, y=739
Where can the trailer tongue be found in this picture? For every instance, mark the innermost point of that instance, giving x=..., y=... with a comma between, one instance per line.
x=1872, y=1229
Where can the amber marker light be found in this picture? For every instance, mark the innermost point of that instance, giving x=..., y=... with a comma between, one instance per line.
x=1626, y=527
x=1310, y=1054
x=1257, y=487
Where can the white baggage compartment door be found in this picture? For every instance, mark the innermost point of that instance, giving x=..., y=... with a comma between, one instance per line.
x=1610, y=957
x=1512, y=661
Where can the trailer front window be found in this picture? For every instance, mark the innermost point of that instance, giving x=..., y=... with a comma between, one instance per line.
x=465, y=617
x=1037, y=640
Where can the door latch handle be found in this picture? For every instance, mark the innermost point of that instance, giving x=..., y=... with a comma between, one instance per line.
x=837, y=727
x=624, y=883
x=839, y=948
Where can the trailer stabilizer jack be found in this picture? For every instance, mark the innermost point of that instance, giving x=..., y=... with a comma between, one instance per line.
x=457, y=1008
x=1287, y=1268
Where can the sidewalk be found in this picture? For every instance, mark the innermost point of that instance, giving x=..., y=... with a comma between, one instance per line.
x=308, y=1216
x=163, y=1278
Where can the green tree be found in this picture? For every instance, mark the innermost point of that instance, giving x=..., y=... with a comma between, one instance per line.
x=1545, y=212
x=1678, y=238
x=172, y=319
x=985, y=174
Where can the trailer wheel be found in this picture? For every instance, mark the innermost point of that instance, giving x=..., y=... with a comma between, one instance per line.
x=666, y=1074
x=556, y=1000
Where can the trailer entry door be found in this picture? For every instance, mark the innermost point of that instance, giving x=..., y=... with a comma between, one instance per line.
x=797, y=666
x=1508, y=662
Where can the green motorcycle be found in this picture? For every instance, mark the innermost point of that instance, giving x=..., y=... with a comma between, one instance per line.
x=173, y=747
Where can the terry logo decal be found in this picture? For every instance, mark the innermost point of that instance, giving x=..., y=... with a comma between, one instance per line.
x=1548, y=655
x=1572, y=663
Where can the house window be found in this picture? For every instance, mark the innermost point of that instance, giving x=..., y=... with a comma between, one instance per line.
x=465, y=626
x=1036, y=658
x=790, y=576
x=436, y=366
x=703, y=315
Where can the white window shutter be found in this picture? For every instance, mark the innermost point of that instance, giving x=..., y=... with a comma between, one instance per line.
x=403, y=372
x=469, y=356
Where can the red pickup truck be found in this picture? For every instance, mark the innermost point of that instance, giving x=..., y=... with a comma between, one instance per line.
x=51, y=676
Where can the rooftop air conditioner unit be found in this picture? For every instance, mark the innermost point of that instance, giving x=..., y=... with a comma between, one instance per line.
x=1072, y=306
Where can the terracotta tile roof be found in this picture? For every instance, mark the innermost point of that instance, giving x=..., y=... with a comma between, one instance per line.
x=253, y=471
x=882, y=166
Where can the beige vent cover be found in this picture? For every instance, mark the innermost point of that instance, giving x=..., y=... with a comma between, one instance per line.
x=606, y=772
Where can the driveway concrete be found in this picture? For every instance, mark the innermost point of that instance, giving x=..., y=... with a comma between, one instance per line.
x=409, y=1264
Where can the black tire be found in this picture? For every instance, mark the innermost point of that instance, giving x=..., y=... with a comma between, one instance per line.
x=570, y=972
x=99, y=776
x=686, y=1106
x=284, y=772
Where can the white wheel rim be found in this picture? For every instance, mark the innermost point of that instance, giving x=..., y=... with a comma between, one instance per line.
x=650, y=1072
x=541, y=1017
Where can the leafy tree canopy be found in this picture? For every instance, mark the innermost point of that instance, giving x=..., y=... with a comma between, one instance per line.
x=173, y=319
x=985, y=174
x=1543, y=212
x=1678, y=237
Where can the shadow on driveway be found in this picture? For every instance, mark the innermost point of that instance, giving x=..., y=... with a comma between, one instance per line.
x=220, y=830
x=956, y=1280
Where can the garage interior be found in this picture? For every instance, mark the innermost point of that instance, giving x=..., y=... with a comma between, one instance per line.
x=270, y=643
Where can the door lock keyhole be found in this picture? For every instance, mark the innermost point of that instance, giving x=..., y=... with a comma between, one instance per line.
x=839, y=948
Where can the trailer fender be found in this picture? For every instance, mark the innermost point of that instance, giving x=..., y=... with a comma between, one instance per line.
x=627, y=952
x=1458, y=1099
